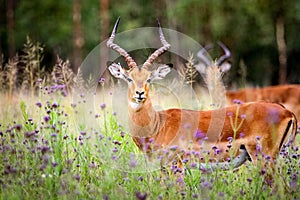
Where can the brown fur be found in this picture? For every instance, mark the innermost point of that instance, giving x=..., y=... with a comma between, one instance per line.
x=269, y=121
x=288, y=95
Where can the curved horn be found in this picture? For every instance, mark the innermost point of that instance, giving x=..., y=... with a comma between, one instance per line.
x=159, y=51
x=225, y=56
x=235, y=163
x=201, y=55
x=110, y=43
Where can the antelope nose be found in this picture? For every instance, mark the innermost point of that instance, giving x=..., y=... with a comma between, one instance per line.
x=140, y=93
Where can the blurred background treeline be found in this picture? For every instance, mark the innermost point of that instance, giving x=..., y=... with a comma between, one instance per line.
x=263, y=35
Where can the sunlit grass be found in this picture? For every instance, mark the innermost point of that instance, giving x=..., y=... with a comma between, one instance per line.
x=53, y=147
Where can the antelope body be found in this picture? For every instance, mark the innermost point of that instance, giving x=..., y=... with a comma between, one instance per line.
x=288, y=95
x=189, y=130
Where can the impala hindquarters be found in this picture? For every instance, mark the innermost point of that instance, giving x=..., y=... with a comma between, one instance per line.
x=288, y=95
x=153, y=130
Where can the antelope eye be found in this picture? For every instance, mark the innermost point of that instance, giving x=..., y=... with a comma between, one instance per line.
x=129, y=79
x=148, y=80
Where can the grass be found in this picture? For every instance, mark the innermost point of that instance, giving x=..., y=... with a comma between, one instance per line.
x=54, y=146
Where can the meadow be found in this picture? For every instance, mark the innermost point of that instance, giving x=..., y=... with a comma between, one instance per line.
x=56, y=146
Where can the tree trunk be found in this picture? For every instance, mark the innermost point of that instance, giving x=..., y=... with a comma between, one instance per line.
x=105, y=30
x=78, y=39
x=10, y=28
x=281, y=50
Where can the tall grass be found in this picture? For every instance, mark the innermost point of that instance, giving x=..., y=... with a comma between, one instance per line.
x=56, y=147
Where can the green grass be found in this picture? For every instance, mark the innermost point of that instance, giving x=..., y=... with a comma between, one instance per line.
x=54, y=148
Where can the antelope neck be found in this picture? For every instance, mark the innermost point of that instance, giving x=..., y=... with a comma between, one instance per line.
x=144, y=121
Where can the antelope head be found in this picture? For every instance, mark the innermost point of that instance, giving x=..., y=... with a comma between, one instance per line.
x=138, y=77
x=220, y=63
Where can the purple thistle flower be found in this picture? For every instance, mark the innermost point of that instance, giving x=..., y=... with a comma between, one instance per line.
x=46, y=118
x=238, y=102
x=141, y=196
x=273, y=117
x=263, y=171
x=101, y=80
x=193, y=165
x=199, y=134
x=53, y=135
x=18, y=127
x=54, y=164
x=221, y=194
x=242, y=135
x=229, y=114
x=243, y=116
x=122, y=134
x=102, y=106
x=38, y=104
x=173, y=148
x=77, y=177
x=133, y=162
x=54, y=105
x=92, y=165
x=28, y=134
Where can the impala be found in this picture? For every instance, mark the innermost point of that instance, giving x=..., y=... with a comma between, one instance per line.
x=185, y=130
x=288, y=95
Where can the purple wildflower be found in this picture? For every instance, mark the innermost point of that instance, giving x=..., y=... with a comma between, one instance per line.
x=54, y=164
x=18, y=127
x=77, y=177
x=273, y=117
x=242, y=135
x=122, y=134
x=141, y=196
x=173, y=148
x=102, y=106
x=101, y=81
x=238, y=102
x=229, y=114
x=46, y=118
x=54, y=105
x=199, y=134
x=38, y=104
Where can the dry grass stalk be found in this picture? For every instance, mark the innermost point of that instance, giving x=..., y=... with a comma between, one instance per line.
x=62, y=74
x=31, y=59
x=188, y=73
x=11, y=71
x=215, y=86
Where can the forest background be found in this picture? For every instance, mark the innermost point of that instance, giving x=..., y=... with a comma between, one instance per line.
x=262, y=35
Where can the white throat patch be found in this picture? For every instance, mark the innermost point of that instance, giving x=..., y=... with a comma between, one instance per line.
x=134, y=105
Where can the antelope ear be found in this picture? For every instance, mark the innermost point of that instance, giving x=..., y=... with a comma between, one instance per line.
x=160, y=72
x=225, y=67
x=117, y=71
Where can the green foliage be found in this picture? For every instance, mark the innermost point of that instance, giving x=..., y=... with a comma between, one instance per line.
x=246, y=27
